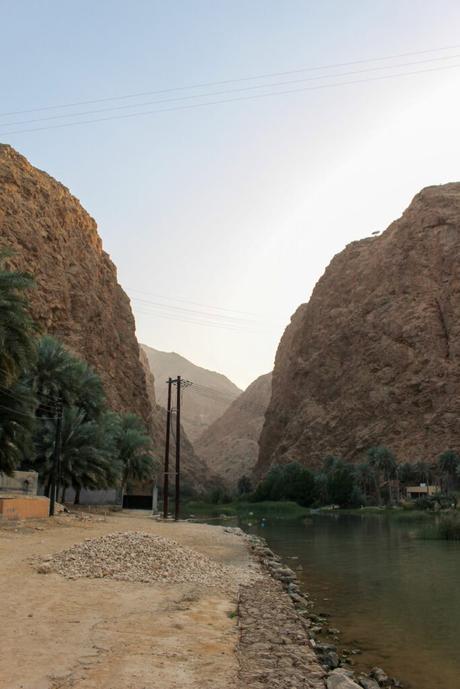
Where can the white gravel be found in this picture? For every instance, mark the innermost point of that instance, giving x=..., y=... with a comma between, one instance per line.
x=137, y=556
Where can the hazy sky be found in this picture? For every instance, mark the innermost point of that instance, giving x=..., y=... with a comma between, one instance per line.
x=221, y=218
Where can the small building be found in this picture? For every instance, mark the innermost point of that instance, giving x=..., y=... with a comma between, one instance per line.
x=414, y=492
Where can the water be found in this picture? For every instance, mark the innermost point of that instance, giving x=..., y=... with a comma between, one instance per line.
x=392, y=596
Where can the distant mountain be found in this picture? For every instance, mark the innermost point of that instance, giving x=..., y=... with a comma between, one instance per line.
x=204, y=402
x=230, y=445
x=196, y=476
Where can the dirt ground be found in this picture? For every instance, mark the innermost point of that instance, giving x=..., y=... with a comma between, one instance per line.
x=58, y=633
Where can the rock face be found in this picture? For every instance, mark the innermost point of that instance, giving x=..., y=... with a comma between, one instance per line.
x=196, y=476
x=77, y=297
x=208, y=398
x=230, y=445
x=374, y=357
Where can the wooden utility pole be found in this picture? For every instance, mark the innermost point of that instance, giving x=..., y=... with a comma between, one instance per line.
x=56, y=470
x=177, y=501
x=166, y=468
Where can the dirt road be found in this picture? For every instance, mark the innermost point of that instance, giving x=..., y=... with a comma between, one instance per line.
x=58, y=633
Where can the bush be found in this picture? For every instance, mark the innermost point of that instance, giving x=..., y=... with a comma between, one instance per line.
x=447, y=529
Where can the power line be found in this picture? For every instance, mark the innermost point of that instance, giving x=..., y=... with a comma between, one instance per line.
x=232, y=81
x=29, y=416
x=227, y=91
x=194, y=303
x=209, y=324
x=230, y=319
x=229, y=100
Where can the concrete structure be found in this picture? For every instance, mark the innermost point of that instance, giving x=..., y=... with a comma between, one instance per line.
x=24, y=482
x=13, y=507
x=419, y=491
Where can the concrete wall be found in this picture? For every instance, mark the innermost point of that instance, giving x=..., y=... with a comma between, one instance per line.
x=21, y=482
x=12, y=508
x=110, y=496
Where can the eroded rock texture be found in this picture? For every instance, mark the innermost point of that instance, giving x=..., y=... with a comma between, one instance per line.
x=374, y=357
x=230, y=445
x=77, y=297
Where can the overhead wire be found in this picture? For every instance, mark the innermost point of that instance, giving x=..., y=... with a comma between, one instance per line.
x=230, y=319
x=228, y=91
x=187, y=301
x=267, y=75
x=30, y=416
x=228, y=100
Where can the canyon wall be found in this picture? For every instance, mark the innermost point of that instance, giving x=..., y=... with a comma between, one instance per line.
x=230, y=445
x=374, y=357
x=77, y=297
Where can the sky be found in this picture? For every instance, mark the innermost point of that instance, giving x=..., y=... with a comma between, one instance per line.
x=221, y=216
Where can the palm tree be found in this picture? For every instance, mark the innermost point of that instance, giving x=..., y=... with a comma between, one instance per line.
x=17, y=406
x=382, y=460
x=448, y=462
x=134, y=448
x=86, y=460
x=87, y=390
x=17, y=332
x=17, y=329
x=365, y=477
x=54, y=373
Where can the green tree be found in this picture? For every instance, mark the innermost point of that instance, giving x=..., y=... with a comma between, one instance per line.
x=58, y=374
x=17, y=424
x=244, y=485
x=134, y=450
x=364, y=474
x=449, y=462
x=383, y=463
x=17, y=329
x=86, y=453
x=17, y=332
x=341, y=484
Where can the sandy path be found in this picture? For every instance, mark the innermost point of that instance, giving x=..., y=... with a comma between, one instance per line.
x=103, y=634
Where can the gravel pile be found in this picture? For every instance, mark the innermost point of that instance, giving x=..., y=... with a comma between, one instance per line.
x=141, y=557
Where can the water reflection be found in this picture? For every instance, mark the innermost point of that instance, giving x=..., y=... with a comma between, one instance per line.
x=395, y=597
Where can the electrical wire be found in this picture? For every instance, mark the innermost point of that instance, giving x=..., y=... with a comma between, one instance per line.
x=184, y=310
x=233, y=81
x=208, y=324
x=29, y=416
x=227, y=100
x=186, y=301
x=227, y=91
x=46, y=408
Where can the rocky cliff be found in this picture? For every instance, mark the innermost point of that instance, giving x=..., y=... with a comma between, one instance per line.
x=204, y=402
x=374, y=357
x=230, y=445
x=77, y=297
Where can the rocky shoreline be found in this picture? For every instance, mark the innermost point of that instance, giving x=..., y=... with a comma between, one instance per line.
x=278, y=644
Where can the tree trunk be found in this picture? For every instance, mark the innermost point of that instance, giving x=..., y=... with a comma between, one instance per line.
x=77, y=496
x=377, y=488
x=64, y=490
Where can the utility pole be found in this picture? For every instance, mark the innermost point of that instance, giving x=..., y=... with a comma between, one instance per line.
x=177, y=501
x=166, y=469
x=56, y=470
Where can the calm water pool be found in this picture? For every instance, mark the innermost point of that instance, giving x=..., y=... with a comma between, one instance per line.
x=394, y=597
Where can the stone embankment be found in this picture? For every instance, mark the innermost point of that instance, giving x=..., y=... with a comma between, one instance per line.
x=279, y=646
